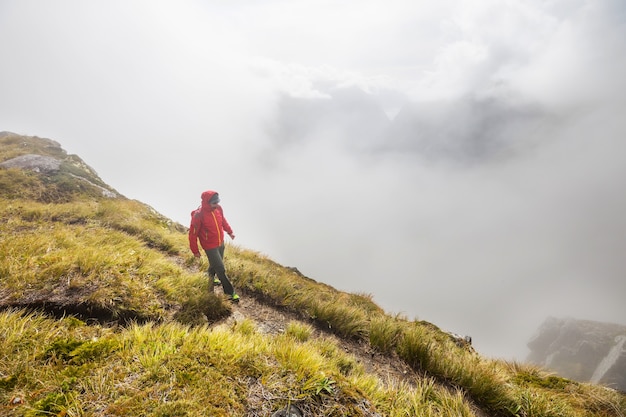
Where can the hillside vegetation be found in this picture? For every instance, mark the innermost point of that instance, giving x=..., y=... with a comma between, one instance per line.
x=105, y=312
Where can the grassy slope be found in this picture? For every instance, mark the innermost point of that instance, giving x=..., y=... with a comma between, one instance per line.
x=73, y=262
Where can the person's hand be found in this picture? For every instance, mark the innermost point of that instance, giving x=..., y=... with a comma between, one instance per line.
x=232, y=236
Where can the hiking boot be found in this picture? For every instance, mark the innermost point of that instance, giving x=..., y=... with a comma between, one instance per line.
x=234, y=298
x=217, y=281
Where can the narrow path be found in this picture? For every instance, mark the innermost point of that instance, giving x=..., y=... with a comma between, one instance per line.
x=271, y=320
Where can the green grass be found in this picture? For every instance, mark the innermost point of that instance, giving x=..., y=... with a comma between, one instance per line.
x=65, y=366
x=105, y=312
x=82, y=254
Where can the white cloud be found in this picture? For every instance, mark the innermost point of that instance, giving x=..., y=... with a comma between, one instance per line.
x=167, y=99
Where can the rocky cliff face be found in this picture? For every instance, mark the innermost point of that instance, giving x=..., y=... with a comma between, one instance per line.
x=582, y=350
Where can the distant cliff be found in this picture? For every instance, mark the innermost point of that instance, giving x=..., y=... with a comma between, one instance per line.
x=582, y=350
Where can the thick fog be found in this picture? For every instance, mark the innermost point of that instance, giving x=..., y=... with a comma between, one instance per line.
x=464, y=162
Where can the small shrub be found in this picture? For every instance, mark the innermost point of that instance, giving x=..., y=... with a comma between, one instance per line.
x=318, y=384
x=548, y=382
x=415, y=347
x=54, y=403
x=8, y=383
x=61, y=349
x=93, y=350
x=299, y=331
x=384, y=333
x=346, y=365
x=346, y=321
x=245, y=327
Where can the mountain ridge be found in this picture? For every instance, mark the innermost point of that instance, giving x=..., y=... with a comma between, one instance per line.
x=111, y=275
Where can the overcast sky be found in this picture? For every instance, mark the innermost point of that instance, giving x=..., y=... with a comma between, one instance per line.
x=462, y=161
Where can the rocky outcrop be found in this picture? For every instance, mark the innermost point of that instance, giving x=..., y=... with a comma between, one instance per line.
x=47, y=158
x=48, y=164
x=37, y=163
x=582, y=350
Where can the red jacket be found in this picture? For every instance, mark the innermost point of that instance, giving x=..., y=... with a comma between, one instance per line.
x=207, y=224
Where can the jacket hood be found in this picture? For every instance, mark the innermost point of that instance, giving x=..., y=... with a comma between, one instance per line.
x=206, y=197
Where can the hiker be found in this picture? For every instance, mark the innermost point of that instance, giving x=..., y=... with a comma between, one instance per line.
x=208, y=224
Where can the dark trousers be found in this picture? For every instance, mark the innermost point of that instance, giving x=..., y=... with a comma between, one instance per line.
x=216, y=267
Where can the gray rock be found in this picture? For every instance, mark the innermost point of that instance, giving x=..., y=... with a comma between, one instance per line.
x=37, y=163
x=289, y=411
x=49, y=165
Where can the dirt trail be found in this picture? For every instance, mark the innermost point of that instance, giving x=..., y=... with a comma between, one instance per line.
x=390, y=369
x=271, y=320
